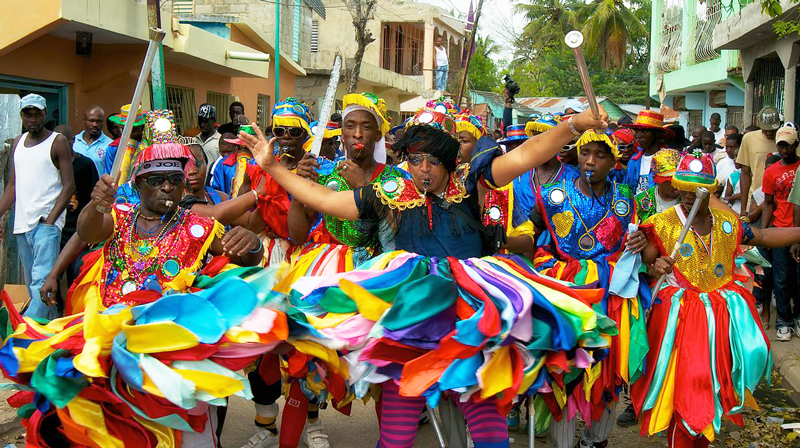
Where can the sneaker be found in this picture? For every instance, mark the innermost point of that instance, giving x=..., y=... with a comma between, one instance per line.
x=584, y=444
x=263, y=438
x=796, y=328
x=315, y=437
x=627, y=418
x=513, y=419
x=783, y=334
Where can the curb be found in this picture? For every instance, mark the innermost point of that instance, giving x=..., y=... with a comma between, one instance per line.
x=786, y=360
x=10, y=426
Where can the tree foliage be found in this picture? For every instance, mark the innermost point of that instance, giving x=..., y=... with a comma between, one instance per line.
x=616, y=48
x=484, y=73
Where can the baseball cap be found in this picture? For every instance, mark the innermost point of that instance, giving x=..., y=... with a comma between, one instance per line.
x=575, y=105
x=769, y=119
x=786, y=135
x=32, y=100
x=207, y=111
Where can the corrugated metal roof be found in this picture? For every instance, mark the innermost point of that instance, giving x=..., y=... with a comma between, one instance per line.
x=317, y=6
x=554, y=102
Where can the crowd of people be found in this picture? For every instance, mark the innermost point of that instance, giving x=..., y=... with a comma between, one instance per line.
x=426, y=263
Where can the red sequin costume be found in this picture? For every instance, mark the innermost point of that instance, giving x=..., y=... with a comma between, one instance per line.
x=132, y=264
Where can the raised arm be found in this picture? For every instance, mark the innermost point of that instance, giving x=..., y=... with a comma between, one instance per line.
x=227, y=212
x=775, y=237
x=61, y=154
x=94, y=226
x=541, y=148
x=340, y=204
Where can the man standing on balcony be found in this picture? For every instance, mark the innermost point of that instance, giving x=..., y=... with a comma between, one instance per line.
x=756, y=146
x=441, y=59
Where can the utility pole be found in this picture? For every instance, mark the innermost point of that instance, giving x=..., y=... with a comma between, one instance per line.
x=159, y=89
x=277, y=51
x=469, y=54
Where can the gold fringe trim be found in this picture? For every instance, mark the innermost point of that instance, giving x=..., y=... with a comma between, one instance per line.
x=592, y=136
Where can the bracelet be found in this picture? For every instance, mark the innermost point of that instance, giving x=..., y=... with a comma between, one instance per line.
x=257, y=249
x=255, y=195
x=572, y=127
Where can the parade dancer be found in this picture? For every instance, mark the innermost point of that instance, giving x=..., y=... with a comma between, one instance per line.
x=708, y=351
x=587, y=218
x=434, y=214
x=662, y=195
x=134, y=370
x=650, y=134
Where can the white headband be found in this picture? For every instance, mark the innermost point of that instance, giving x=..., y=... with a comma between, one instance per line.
x=379, y=153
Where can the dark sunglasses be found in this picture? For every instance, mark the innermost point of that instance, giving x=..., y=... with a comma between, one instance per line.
x=158, y=180
x=625, y=147
x=416, y=159
x=280, y=131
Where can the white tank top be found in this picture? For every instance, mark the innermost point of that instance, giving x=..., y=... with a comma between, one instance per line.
x=38, y=184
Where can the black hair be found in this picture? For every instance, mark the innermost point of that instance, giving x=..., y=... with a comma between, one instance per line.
x=708, y=134
x=236, y=103
x=772, y=158
x=731, y=127
x=735, y=137
x=110, y=123
x=715, y=115
x=625, y=120
x=429, y=140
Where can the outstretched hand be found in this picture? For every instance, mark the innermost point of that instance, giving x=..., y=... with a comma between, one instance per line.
x=585, y=120
x=260, y=147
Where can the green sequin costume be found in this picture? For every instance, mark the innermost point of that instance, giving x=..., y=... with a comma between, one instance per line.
x=351, y=233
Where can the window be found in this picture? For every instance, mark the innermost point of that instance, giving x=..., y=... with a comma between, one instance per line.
x=315, y=36
x=263, y=111
x=183, y=7
x=695, y=119
x=181, y=101
x=222, y=102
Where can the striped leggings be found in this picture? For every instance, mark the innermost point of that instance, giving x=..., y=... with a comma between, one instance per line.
x=399, y=419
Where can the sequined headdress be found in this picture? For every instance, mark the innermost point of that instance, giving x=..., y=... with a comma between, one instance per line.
x=695, y=169
x=291, y=113
x=371, y=103
x=444, y=105
x=664, y=164
x=543, y=124
x=164, y=143
x=601, y=137
x=471, y=124
x=435, y=119
x=431, y=132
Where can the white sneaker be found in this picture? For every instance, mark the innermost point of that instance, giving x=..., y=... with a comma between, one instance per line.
x=796, y=328
x=314, y=436
x=783, y=334
x=263, y=438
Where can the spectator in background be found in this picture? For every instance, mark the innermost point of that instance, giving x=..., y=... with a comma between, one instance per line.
x=729, y=130
x=206, y=121
x=234, y=110
x=714, y=123
x=624, y=120
x=649, y=133
x=749, y=129
x=756, y=146
x=441, y=59
x=573, y=106
x=39, y=189
x=729, y=173
x=112, y=128
x=137, y=134
x=764, y=284
x=778, y=212
x=86, y=177
x=678, y=141
x=497, y=134
x=697, y=134
x=709, y=144
x=91, y=142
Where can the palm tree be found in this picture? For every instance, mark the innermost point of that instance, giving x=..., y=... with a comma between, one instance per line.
x=486, y=46
x=610, y=28
x=549, y=21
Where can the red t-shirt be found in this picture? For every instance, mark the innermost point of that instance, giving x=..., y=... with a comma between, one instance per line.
x=778, y=181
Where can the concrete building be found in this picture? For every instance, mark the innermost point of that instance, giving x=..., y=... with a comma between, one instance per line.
x=82, y=52
x=769, y=64
x=398, y=66
x=687, y=72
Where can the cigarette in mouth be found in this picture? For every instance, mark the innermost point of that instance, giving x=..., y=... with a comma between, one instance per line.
x=168, y=203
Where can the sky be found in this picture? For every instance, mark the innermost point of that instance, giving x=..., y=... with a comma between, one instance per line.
x=497, y=20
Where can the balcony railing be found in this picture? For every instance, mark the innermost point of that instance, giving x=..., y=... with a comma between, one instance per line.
x=668, y=57
x=183, y=7
x=709, y=14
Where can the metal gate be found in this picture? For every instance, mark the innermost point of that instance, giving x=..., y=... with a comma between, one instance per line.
x=769, y=86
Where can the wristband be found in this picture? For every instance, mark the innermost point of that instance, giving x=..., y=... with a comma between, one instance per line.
x=255, y=195
x=572, y=127
x=260, y=246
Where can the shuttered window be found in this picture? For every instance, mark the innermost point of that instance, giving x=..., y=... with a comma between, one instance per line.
x=181, y=101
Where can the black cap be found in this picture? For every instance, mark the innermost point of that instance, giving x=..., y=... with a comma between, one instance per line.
x=207, y=111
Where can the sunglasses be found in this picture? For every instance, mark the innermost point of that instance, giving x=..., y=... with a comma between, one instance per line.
x=158, y=180
x=280, y=132
x=417, y=159
x=625, y=147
